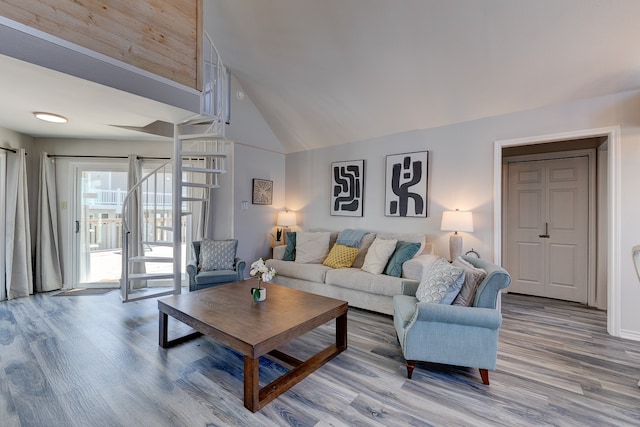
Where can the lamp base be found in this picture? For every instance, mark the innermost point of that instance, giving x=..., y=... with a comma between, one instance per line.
x=455, y=246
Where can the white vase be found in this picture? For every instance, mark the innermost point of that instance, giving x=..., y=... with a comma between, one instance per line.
x=259, y=294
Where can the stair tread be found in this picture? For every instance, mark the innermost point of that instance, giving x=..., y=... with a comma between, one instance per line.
x=146, y=258
x=150, y=276
x=199, y=185
x=202, y=154
x=194, y=199
x=203, y=170
x=201, y=136
x=158, y=243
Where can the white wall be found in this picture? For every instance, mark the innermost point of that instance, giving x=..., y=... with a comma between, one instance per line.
x=461, y=176
x=257, y=154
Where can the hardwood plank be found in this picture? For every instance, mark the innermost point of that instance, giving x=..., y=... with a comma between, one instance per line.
x=95, y=361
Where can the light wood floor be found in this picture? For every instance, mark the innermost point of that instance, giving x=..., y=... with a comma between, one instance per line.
x=93, y=361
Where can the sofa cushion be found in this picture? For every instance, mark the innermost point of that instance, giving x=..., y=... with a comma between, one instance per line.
x=217, y=254
x=441, y=284
x=407, y=237
x=404, y=251
x=310, y=272
x=378, y=255
x=472, y=278
x=355, y=278
x=340, y=256
x=216, y=276
x=312, y=247
x=365, y=243
x=290, y=250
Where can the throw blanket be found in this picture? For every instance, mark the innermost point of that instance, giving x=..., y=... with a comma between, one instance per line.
x=350, y=237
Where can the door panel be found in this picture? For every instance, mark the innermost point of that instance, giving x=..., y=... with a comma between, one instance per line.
x=547, y=227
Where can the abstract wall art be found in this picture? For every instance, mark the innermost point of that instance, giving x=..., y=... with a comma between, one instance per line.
x=262, y=192
x=406, y=184
x=347, y=188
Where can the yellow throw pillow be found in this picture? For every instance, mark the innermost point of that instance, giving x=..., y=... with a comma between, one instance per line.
x=341, y=256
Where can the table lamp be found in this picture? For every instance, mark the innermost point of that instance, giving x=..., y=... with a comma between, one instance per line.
x=285, y=219
x=456, y=221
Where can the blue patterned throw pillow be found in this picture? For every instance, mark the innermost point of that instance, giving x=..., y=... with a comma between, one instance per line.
x=217, y=254
x=441, y=284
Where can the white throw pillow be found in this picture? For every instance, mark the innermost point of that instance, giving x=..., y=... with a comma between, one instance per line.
x=441, y=284
x=378, y=255
x=312, y=247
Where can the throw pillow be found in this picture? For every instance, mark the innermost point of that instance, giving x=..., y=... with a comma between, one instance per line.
x=341, y=256
x=378, y=255
x=290, y=250
x=365, y=243
x=217, y=254
x=312, y=247
x=404, y=251
x=440, y=281
x=472, y=278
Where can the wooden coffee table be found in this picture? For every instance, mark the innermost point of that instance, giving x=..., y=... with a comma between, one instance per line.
x=228, y=314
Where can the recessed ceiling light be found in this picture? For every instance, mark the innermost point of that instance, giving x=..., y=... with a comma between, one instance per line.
x=50, y=117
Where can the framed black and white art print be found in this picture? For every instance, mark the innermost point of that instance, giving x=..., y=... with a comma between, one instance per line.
x=406, y=184
x=347, y=188
x=262, y=192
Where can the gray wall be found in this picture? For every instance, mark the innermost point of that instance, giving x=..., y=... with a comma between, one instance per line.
x=461, y=175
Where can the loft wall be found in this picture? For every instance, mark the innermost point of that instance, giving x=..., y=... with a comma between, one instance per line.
x=162, y=37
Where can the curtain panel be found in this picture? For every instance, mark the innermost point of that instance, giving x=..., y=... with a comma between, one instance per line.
x=48, y=267
x=18, y=281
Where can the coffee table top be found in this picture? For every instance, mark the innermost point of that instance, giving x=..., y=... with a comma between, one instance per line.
x=228, y=313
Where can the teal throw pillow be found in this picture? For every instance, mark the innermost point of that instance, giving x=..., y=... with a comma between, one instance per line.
x=290, y=250
x=404, y=252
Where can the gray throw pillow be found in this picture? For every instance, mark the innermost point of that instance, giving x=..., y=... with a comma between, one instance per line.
x=441, y=283
x=472, y=278
x=217, y=254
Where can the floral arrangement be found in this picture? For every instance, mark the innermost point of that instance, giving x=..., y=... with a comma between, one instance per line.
x=262, y=272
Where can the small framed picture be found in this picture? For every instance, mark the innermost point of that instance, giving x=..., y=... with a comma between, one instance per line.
x=262, y=192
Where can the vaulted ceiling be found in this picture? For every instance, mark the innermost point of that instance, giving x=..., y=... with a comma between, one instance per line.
x=326, y=72
x=335, y=71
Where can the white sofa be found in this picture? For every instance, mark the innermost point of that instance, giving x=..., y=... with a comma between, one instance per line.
x=358, y=287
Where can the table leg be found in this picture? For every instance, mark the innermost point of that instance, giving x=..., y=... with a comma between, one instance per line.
x=251, y=383
x=341, y=332
x=163, y=337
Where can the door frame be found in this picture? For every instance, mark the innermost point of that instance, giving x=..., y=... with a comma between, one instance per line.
x=591, y=156
x=613, y=176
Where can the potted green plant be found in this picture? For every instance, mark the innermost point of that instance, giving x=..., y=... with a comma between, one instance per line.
x=260, y=270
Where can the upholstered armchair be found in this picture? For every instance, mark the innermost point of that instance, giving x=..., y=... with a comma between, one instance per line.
x=453, y=334
x=215, y=264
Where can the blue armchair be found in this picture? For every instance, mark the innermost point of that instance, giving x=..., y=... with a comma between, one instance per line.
x=453, y=334
x=206, y=279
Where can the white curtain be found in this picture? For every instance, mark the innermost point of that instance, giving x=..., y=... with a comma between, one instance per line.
x=134, y=217
x=19, y=274
x=48, y=270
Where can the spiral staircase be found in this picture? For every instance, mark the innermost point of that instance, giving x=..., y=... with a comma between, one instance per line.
x=199, y=157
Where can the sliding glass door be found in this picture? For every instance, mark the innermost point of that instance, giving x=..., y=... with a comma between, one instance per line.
x=100, y=191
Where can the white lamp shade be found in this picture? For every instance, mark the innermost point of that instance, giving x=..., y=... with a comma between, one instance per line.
x=286, y=218
x=457, y=221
